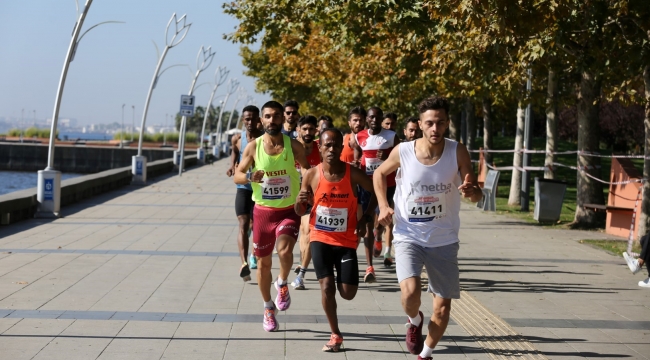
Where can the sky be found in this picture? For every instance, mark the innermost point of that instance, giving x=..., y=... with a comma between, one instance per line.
x=114, y=63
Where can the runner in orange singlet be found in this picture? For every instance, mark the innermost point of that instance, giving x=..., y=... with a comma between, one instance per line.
x=331, y=189
x=356, y=122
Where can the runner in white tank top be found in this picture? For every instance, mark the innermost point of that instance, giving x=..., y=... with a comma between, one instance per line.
x=426, y=219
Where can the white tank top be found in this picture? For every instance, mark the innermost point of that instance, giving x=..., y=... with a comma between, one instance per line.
x=427, y=201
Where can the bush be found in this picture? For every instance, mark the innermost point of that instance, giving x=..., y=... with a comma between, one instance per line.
x=190, y=137
x=31, y=132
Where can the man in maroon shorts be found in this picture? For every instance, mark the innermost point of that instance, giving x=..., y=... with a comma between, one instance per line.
x=276, y=183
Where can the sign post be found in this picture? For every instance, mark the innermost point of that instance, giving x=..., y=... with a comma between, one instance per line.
x=186, y=110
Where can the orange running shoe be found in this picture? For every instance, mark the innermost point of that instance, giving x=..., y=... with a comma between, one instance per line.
x=370, y=275
x=335, y=343
x=376, y=251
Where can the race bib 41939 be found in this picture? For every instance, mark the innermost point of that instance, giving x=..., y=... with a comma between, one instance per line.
x=331, y=219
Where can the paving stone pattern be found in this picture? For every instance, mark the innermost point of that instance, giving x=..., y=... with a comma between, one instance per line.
x=152, y=273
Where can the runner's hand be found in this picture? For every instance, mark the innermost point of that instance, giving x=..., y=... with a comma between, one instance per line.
x=257, y=176
x=386, y=215
x=362, y=225
x=305, y=197
x=230, y=172
x=467, y=188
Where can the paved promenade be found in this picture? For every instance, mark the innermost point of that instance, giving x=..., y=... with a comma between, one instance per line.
x=152, y=273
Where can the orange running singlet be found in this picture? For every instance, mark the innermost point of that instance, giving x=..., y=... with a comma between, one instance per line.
x=333, y=218
x=347, y=155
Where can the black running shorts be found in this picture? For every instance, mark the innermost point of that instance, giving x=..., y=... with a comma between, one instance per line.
x=328, y=257
x=244, y=202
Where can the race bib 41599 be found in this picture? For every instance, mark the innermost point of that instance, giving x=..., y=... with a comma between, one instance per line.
x=277, y=187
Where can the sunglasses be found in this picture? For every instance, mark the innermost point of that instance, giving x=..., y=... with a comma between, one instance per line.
x=291, y=112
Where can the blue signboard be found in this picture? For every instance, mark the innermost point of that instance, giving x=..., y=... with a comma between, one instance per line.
x=48, y=189
x=138, y=167
x=187, y=105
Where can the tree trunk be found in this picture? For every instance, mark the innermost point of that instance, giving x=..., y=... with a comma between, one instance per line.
x=471, y=123
x=454, y=126
x=487, y=128
x=644, y=221
x=515, y=182
x=551, y=124
x=589, y=191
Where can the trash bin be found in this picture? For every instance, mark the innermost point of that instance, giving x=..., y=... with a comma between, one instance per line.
x=549, y=196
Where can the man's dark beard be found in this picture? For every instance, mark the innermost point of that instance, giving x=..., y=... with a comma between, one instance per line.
x=272, y=132
x=308, y=140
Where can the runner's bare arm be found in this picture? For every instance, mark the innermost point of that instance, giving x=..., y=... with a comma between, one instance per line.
x=306, y=194
x=380, y=184
x=234, y=156
x=358, y=152
x=299, y=155
x=469, y=188
x=248, y=161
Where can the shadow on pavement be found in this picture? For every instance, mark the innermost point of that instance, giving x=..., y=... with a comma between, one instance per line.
x=486, y=285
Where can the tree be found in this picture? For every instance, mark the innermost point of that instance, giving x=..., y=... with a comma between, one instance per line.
x=551, y=124
x=195, y=122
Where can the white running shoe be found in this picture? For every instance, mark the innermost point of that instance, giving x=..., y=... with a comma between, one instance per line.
x=632, y=263
x=298, y=284
x=645, y=283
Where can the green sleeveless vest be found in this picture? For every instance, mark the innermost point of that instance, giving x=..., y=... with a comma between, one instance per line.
x=281, y=183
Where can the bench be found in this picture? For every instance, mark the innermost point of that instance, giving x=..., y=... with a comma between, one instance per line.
x=489, y=200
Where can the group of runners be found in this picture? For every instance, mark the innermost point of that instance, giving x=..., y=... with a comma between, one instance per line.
x=299, y=179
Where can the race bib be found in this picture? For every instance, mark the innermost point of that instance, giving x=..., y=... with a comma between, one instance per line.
x=426, y=208
x=331, y=219
x=277, y=187
x=372, y=164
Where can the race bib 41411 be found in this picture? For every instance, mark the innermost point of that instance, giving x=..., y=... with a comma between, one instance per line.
x=426, y=207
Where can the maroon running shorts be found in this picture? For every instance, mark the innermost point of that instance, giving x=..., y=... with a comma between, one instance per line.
x=269, y=224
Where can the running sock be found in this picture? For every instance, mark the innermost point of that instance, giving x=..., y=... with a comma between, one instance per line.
x=281, y=281
x=388, y=250
x=426, y=352
x=303, y=271
x=416, y=320
x=269, y=304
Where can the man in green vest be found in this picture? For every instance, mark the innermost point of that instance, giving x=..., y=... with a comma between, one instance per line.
x=271, y=160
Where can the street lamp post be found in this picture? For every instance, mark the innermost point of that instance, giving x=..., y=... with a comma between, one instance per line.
x=242, y=94
x=233, y=84
x=165, y=131
x=48, y=194
x=220, y=76
x=122, y=131
x=203, y=61
x=139, y=162
x=132, y=122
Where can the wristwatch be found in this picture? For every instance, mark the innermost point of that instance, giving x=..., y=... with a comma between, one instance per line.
x=249, y=175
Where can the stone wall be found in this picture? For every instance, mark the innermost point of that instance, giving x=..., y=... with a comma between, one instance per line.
x=21, y=205
x=74, y=159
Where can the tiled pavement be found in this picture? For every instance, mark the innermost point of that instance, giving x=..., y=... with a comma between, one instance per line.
x=151, y=273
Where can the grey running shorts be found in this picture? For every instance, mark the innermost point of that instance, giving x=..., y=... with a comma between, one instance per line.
x=441, y=264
